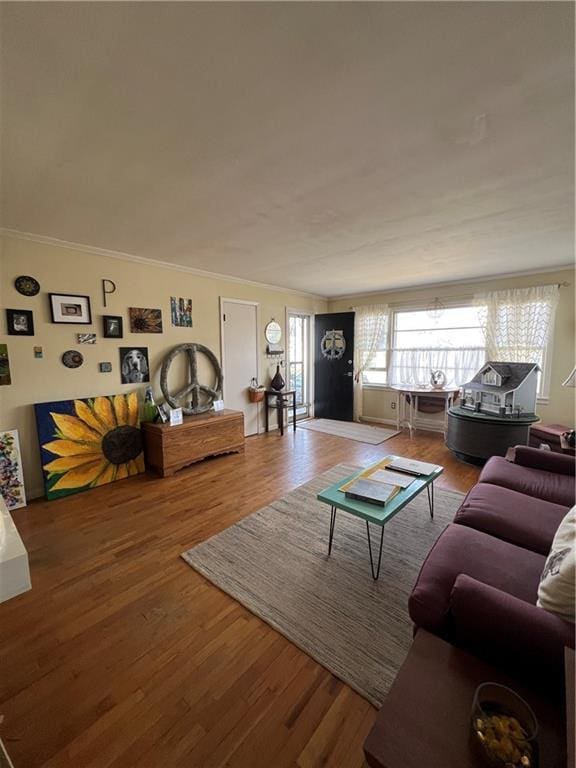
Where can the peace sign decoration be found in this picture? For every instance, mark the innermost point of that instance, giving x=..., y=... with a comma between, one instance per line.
x=198, y=397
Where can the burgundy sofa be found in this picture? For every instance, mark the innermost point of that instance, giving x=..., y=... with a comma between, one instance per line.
x=479, y=584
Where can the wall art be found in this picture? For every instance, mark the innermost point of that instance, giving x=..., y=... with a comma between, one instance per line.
x=105, y=367
x=86, y=338
x=89, y=442
x=27, y=286
x=134, y=367
x=20, y=322
x=70, y=308
x=145, y=320
x=181, y=312
x=11, y=476
x=108, y=287
x=72, y=359
x=38, y=353
x=4, y=366
x=112, y=326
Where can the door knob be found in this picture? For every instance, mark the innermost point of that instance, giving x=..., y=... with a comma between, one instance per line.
x=348, y=373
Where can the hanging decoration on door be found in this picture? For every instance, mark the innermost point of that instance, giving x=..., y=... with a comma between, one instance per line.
x=333, y=345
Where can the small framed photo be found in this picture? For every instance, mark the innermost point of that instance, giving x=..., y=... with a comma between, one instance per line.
x=113, y=327
x=70, y=308
x=20, y=322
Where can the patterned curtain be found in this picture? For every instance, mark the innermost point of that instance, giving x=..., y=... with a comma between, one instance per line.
x=518, y=322
x=370, y=330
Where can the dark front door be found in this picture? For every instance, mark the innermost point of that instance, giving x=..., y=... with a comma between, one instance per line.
x=334, y=366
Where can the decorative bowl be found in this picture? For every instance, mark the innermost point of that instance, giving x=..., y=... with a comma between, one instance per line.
x=504, y=728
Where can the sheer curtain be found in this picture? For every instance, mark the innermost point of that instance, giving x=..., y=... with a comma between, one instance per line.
x=370, y=333
x=518, y=322
x=412, y=367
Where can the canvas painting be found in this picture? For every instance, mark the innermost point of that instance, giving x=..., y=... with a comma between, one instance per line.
x=145, y=320
x=11, y=477
x=181, y=312
x=4, y=365
x=90, y=442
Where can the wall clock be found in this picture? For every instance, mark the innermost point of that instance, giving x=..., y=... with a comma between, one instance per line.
x=333, y=345
x=26, y=285
x=72, y=359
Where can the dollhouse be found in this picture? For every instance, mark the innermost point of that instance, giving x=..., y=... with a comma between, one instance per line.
x=502, y=389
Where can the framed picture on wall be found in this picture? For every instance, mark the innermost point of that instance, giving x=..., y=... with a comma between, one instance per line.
x=113, y=327
x=70, y=308
x=20, y=322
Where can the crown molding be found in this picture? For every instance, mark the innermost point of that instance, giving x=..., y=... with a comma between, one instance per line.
x=449, y=283
x=119, y=255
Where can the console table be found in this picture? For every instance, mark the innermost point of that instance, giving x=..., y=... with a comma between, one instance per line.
x=407, y=397
x=286, y=398
x=425, y=719
x=170, y=448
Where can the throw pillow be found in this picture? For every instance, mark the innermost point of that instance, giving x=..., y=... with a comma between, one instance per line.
x=556, y=590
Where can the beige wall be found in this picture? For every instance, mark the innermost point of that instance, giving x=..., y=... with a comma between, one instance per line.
x=61, y=270
x=560, y=408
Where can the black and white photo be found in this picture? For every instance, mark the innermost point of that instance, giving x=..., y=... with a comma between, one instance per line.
x=20, y=322
x=134, y=367
x=112, y=327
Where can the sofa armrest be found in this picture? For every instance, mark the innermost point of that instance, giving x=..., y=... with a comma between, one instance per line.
x=549, y=461
x=508, y=628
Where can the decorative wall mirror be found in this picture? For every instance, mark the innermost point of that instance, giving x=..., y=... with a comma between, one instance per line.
x=273, y=332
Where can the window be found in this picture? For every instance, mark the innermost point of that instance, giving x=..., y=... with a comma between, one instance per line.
x=378, y=371
x=452, y=342
x=299, y=359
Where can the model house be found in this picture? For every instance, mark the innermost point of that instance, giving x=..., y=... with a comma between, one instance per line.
x=504, y=389
x=236, y=242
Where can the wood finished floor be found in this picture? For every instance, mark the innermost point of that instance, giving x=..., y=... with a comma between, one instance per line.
x=122, y=655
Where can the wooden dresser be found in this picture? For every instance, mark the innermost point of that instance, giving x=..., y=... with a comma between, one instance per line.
x=168, y=449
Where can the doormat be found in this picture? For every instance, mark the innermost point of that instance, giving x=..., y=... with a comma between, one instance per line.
x=275, y=562
x=351, y=430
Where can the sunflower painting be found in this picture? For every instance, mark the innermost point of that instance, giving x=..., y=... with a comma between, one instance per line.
x=145, y=320
x=89, y=442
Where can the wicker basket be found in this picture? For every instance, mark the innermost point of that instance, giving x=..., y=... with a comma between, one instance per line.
x=255, y=395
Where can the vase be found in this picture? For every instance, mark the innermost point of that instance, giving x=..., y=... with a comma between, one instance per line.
x=277, y=382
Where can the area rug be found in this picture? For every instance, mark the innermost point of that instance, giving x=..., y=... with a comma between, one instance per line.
x=275, y=562
x=362, y=433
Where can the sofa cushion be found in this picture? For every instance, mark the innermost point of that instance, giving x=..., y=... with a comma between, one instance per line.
x=489, y=560
x=556, y=591
x=550, y=486
x=511, y=516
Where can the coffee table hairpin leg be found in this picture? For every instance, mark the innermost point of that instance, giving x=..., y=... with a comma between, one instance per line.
x=430, y=491
x=376, y=573
x=332, y=524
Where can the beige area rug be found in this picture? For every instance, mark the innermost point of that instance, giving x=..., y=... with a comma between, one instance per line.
x=362, y=433
x=275, y=562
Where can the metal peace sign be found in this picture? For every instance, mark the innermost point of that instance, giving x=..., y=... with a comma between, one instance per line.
x=192, y=391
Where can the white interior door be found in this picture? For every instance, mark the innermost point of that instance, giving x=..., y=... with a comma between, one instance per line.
x=239, y=324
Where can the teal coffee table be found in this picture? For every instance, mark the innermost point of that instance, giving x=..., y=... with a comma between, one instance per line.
x=372, y=513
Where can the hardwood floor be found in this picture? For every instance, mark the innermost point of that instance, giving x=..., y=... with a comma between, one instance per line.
x=122, y=655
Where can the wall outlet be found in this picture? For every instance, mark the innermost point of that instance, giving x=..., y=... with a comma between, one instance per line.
x=393, y=405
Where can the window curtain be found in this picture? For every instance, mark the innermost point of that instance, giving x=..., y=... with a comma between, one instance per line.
x=518, y=322
x=370, y=333
x=412, y=367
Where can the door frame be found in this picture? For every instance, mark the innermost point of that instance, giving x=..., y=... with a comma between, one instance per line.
x=311, y=335
x=256, y=304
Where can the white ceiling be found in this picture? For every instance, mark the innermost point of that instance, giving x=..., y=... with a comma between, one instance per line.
x=327, y=147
